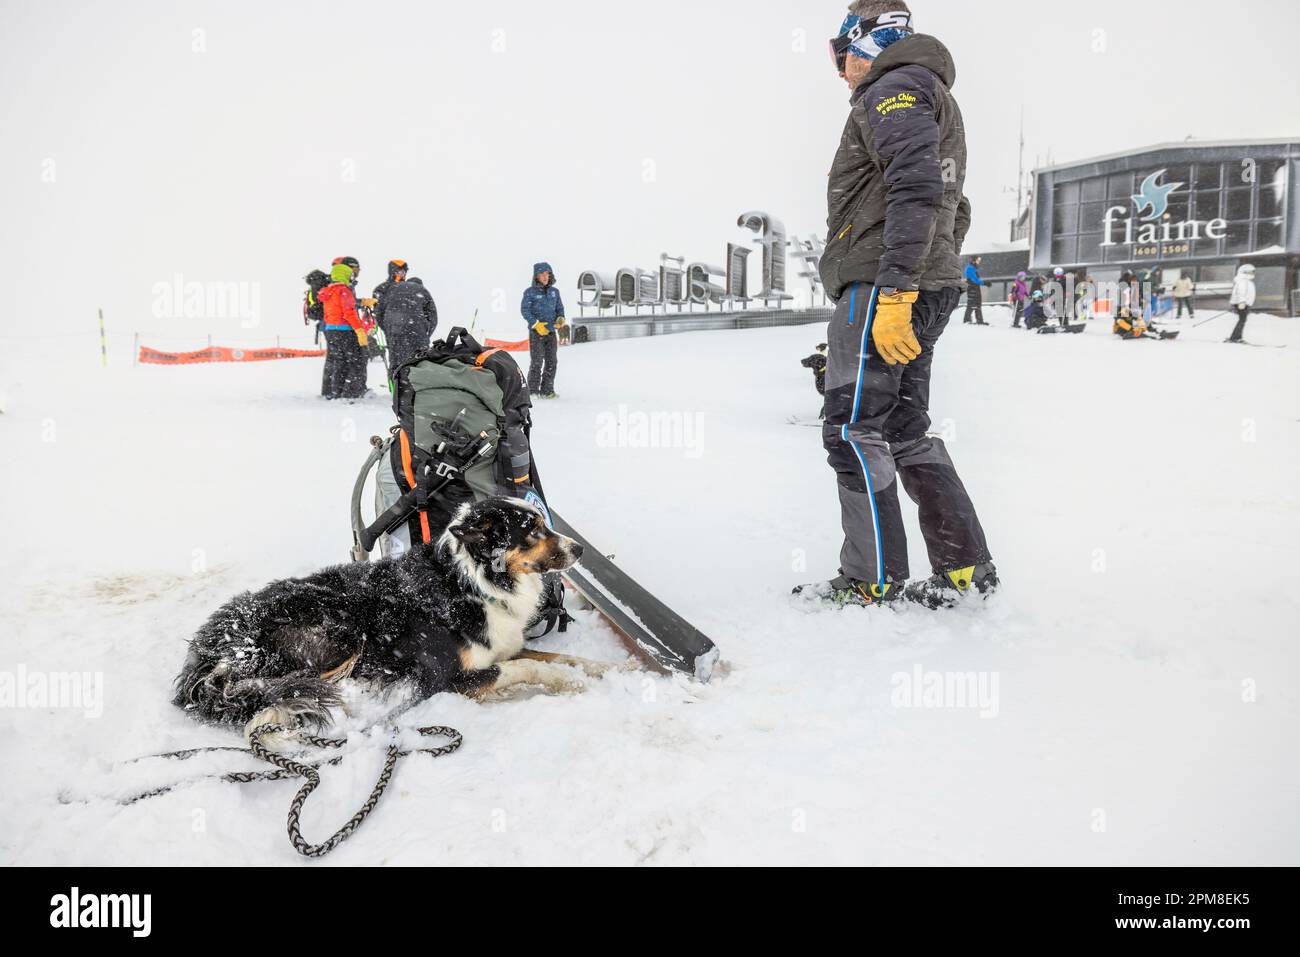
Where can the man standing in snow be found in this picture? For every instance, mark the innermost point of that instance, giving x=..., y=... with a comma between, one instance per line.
x=898, y=217
x=397, y=270
x=975, y=284
x=1242, y=299
x=407, y=315
x=543, y=312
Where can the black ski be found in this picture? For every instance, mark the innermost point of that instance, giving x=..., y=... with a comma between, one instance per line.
x=654, y=629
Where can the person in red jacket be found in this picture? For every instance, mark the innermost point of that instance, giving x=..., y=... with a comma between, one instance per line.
x=345, y=338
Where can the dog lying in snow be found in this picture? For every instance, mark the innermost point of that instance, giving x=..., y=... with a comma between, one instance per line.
x=449, y=616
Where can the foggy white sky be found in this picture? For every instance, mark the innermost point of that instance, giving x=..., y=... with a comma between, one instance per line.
x=484, y=136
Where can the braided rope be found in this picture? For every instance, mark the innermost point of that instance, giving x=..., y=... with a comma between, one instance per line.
x=289, y=768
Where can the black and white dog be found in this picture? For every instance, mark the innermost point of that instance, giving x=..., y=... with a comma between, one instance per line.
x=448, y=616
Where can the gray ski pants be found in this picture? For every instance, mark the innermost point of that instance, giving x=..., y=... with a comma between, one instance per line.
x=877, y=419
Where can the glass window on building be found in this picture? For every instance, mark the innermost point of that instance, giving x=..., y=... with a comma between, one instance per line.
x=1208, y=205
x=1272, y=195
x=1067, y=194
x=1119, y=187
x=1270, y=287
x=1180, y=207
x=1064, y=249
x=1217, y=273
x=1237, y=205
x=1207, y=247
x=1092, y=190
x=1065, y=219
x=1240, y=173
x=1266, y=171
x=1091, y=216
x=1207, y=176
x=1268, y=233
x=1089, y=248
x=1179, y=174
x=1238, y=239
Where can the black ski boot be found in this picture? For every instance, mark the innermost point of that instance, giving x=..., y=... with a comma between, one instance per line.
x=844, y=592
x=951, y=588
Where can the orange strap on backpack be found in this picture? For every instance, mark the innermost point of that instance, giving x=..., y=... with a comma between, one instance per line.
x=409, y=469
x=485, y=357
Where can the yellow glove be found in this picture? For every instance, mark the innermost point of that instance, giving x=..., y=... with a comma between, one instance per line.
x=891, y=329
x=540, y=328
x=370, y=303
x=362, y=339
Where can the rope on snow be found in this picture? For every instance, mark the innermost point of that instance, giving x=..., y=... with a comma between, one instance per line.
x=289, y=768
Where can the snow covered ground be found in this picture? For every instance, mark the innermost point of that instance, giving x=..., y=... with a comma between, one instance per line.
x=1139, y=668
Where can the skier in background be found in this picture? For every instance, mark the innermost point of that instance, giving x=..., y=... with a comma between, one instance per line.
x=1036, y=313
x=397, y=270
x=975, y=286
x=313, y=313
x=1184, y=291
x=345, y=338
x=367, y=305
x=1019, y=295
x=1242, y=299
x=895, y=285
x=543, y=312
x=408, y=317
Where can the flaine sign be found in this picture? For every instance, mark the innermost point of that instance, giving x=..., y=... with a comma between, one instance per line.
x=1148, y=223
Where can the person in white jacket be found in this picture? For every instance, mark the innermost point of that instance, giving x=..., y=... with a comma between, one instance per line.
x=1184, y=290
x=1242, y=299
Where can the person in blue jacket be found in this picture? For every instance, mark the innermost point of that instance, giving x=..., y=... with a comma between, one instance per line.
x=975, y=285
x=543, y=312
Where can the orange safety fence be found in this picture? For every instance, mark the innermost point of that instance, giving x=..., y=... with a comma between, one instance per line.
x=521, y=346
x=223, y=354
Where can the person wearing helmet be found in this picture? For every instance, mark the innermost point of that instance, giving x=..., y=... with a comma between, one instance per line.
x=345, y=338
x=355, y=265
x=1019, y=296
x=1065, y=293
x=407, y=315
x=543, y=312
x=397, y=272
x=1241, y=300
x=1036, y=311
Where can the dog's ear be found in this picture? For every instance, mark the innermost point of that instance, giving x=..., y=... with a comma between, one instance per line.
x=471, y=535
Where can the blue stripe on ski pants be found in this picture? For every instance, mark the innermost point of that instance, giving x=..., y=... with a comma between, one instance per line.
x=857, y=405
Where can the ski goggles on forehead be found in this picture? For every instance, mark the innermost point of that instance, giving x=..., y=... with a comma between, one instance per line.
x=857, y=30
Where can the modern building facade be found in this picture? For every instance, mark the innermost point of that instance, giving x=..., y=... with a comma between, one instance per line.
x=1205, y=208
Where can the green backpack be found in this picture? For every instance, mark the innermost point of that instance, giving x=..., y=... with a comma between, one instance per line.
x=463, y=429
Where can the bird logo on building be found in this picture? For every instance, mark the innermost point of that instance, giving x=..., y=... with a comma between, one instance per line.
x=1154, y=195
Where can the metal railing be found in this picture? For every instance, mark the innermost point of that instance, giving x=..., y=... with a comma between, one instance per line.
x=595, y=329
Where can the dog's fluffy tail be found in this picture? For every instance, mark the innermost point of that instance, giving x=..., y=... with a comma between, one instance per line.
x=224, y=692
